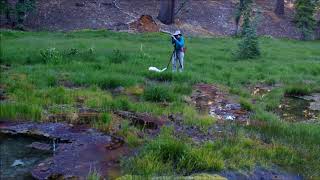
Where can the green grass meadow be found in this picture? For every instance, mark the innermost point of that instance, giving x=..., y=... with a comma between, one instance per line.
x=36, y=65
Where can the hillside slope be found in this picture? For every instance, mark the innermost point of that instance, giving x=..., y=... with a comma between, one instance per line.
x=197, y=17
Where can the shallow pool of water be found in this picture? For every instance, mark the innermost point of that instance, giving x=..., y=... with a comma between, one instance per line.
x=295, y=109
x=13, y=149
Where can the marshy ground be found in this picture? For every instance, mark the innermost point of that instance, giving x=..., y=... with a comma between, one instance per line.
x=236, y=118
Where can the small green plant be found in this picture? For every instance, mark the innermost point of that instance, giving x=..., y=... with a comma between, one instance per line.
x=93, y=175
x=158, y=93
x=130, y=134
x=133, y=140
x=121, y=103
x=50, y=55
x=102, y=122
x=245, y=104
x=106, y=118
x=73, y=51
x=118, y=57
x=91, y=50
x=88, y=55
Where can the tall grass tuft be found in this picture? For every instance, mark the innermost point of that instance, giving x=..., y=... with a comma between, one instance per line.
x=297, y=90
x=158, y=93
x=118, y=57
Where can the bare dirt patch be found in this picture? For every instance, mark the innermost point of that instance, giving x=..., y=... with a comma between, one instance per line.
x=145, y=24
x=218, y=103
x=143, y=120
x=211, y=100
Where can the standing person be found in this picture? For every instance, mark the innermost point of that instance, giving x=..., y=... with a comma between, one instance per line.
x=178, y=56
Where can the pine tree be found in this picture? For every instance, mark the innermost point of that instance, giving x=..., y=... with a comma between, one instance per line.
x=249, y=45
x=304, y=18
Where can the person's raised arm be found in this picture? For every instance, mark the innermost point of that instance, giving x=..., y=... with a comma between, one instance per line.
x=173, y=41
x=181, y=42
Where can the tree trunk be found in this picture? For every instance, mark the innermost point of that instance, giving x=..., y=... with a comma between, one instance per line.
x=7, y=12
x=279, y=8
x=238, y=16
x=166, y=13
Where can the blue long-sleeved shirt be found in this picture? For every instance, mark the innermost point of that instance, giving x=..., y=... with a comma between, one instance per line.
x=179, y=43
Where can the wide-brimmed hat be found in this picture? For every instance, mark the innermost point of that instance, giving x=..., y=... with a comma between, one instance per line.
x=177, y=33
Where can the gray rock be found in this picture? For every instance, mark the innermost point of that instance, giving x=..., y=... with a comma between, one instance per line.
x=118, y=90
x=40, y=146
x=315, y=106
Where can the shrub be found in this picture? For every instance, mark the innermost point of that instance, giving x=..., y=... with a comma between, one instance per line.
x=50, y=55
x=158, y=94
x=118, y=57
x=72, y=51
